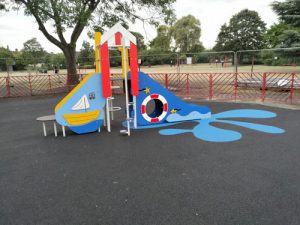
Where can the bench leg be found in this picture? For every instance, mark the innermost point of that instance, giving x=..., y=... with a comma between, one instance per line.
x=64, y=131
x=44, y=129
x=55, y=129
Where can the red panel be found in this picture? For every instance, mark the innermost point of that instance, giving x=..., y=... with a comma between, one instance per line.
x=134, y=69
x=155, y=96
x=105, y=71
x=143, y=109
x=155, y=120
x=165, y=107
x=118, y=37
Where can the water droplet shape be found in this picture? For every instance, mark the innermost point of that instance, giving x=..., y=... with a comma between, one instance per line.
x=254, y=126
x=205, y=131
x=244, y=113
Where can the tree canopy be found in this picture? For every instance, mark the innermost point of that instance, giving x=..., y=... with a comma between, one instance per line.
x=75, y=15
x=162, y=40
x=272, y=37
x=287, y=33
x=32, y=52
x=245, y=31
x=288, y=39
x=186, y=33
x=140, y=40
x=6, y=58
x=86, y=54
x=288, y=11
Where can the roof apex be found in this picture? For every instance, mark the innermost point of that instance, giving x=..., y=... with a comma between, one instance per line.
x=117, y=28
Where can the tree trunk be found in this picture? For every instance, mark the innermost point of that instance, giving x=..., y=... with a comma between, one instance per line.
x=70, y=55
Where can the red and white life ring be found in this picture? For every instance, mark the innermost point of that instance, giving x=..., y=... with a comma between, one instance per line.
x=160, y=117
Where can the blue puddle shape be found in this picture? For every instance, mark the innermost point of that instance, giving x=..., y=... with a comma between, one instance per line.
x=207, y=132
x=254, y=126
x=244, y=113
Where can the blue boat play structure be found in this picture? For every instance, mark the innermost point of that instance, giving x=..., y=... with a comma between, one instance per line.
x=87, y=107
x=148, y=105
x=83, y=109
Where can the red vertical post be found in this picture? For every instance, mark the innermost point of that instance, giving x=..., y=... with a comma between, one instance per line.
x=263, y=88
x=7, y=86
x=292, y=88
x=118, y=37
x=187, y=85
x=30, y=85
x=210, y=94
x=166, y=81
x=134, y=70
x=105, y=70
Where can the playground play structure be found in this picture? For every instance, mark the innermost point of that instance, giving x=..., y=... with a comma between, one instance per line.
x=89, y=105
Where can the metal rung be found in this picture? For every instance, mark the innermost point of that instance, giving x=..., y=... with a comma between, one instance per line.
x=130, y=103
x=115, y=108
x=123, y=131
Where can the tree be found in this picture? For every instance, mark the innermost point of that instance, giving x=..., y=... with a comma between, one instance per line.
x=57, y=60
x=288, y=11
x=288, y=39
x=77, y=14
x=223, y=39
x=6, y=58
x=163, y=39
x=288, y=32
x=245, y=32
x=186, y=33
x=19, y=61
x=86, y=54
x=140, y=40
x=32, y=52
x=272, y=36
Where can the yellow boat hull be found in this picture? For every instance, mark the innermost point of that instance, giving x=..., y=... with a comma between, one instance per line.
x=79, y=119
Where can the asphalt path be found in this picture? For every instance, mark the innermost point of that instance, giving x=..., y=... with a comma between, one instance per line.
x=146, y=179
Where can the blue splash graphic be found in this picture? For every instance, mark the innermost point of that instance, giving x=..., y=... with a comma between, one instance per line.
x=205, y=131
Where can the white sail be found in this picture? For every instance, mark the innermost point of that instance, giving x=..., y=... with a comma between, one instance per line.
x=82, y=104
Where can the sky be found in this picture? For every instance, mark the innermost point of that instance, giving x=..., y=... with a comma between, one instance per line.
x=15, y=28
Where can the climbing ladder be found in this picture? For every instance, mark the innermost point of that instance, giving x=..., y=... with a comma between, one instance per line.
x=119, y=37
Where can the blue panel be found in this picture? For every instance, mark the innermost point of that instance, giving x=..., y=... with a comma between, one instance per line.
x=178, y=110
x=91, y=87
x=88, y=128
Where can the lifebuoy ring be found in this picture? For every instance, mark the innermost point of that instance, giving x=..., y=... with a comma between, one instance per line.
x=162, y=115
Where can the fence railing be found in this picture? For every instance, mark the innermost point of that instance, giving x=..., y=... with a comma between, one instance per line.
x=275, y=87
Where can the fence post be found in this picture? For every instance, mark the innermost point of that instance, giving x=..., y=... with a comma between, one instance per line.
x=210, y=94
x=235, y=62
x=30, y=85
x=50, y=87
x=292, y=89
x=263, y=88
x=166, y=81
x=187, y=86
x=7, y=86
x=235, y=86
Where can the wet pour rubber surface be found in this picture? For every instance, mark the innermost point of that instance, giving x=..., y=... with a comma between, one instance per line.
x=147, y=178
